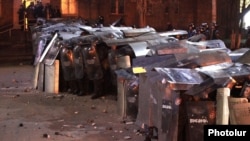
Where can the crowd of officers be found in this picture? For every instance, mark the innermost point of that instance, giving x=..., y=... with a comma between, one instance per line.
x=99, y=87
x=203, y=32
x=38, y=10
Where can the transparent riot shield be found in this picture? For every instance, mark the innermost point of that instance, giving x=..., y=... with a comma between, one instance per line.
x=113, y=65
x=52, y=53
x=49, y=46
x=78, y=62
x=66, y=59
x=112, y=55
x=39, y=50
x=198, y=114
x=92, y=63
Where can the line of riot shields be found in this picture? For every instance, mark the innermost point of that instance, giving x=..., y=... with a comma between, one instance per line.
x=154, y=74
x=88, y=55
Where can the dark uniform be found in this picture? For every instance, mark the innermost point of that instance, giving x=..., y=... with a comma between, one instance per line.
x=200, y=36
x=191, y=30
x=21, y=13
x=214, y=32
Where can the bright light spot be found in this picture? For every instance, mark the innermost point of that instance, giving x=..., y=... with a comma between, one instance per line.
x=247, y=20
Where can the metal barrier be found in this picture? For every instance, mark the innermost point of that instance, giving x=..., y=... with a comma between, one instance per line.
x=6, y=28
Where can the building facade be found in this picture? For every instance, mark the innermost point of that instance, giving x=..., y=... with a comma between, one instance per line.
x=139, y=13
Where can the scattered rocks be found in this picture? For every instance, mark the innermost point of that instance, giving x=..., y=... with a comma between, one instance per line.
x=127, y=137
x=16, y=96
x=20, y=125
x=46, y=135
x=129, y=123
x=93, y=107
x=104, y=111
x=109, y=128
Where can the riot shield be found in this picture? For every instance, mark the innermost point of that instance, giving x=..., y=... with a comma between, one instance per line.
x=199, y=113
x=113, y=65
x=66, y=60
x=52, y=52
x=78, y=62
x=39, y=50
x=92, y=63
x=112, y=60
x=51, y=44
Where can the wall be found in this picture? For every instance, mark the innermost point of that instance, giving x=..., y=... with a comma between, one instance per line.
x=130, y=17
x=178, y=12
x=6, y=19
x=16, y=6
x=160, y=12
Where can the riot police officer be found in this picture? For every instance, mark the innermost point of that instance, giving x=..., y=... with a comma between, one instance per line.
x=21, y=14
x=100, y=21
x=191, y=30
x=200, y=36
x=214, y=32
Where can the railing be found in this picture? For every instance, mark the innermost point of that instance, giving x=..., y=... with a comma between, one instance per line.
x=6, y=28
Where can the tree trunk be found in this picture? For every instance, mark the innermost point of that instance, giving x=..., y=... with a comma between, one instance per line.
x=232, y=39
x=142, y=10
x=238, y=39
